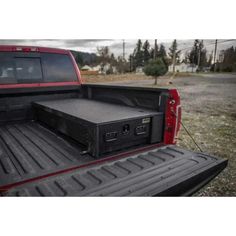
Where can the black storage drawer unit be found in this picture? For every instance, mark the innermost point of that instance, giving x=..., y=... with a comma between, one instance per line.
x=101, y=127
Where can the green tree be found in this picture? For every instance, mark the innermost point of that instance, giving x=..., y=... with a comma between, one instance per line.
x=138, y=54
x=198, y=50
x=229, y=60
x=173, y=51
x=155, y=68
x=162, y=52
x=152, y=52
x=146, y=52
x=193, y=55
x=203, y=58
x=163, y=55
x=113, y=60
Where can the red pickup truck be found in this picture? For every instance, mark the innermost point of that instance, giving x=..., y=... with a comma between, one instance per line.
x=61, y=137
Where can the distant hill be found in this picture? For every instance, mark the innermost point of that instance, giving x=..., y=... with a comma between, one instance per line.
x=84, y=58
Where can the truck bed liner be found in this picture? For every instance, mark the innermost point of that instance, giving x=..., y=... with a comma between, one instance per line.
x=164, y=171
x=28, y=150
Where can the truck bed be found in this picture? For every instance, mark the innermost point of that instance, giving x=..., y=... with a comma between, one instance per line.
x=163, y=171
x=29, y=150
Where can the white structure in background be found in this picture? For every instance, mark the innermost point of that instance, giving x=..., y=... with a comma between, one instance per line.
x=96, y=68
x=139, y=70
x=183, y=67
x=101, y=69
x=114, y=69
x=86, y=68
x=105, y=68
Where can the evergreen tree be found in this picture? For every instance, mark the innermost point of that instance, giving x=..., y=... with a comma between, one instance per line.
x=193, y=55
x=196, y=51
x=112, y=56
x=163, y=55
x=113, y=59
x=203, y=58
x=173, y=50
x=162, y=52
x=152, y=53
x=155, y=68
x=229, y=61
x=138, y=54
x=146, y=52
x=229, y=55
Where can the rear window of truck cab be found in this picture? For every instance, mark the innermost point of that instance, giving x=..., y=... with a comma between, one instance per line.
x=20, y=67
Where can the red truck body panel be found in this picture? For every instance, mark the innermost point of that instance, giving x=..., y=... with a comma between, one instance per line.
x=172, y=117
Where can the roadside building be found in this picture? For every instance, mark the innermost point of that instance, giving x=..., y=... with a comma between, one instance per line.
x=86, y=68
x=99, y=69
x=139, y=70
x=107, y=69
x=183, y=67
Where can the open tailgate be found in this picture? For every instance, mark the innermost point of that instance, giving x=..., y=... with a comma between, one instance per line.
x=165, y=171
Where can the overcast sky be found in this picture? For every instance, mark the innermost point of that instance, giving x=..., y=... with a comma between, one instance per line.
x=85, y=45
x=116, y=45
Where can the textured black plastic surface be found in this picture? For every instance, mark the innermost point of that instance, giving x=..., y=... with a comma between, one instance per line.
x=166, y=171
x=95, y=112
x=29, y=150
x=17, y=106
x=92, y=123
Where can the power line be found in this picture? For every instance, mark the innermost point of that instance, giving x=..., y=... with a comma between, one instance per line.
x=229, y=40
x=206, y=45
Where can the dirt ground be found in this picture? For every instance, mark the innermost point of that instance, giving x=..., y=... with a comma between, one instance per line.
x=114, y=78
x=209, y=113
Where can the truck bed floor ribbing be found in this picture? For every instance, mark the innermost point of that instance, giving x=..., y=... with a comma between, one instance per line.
x=29, y=150
x=164, y=171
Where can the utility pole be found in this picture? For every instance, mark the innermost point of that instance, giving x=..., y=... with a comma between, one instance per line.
x=174, y=55
x=215, y=56
x=123, y=50
x=192, y=63
x=131, y=62
x=199, y=54
x=174, y=61
x=155, y=50
x=123, y=62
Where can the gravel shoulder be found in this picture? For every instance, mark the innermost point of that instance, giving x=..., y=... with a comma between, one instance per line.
x=209, y=112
